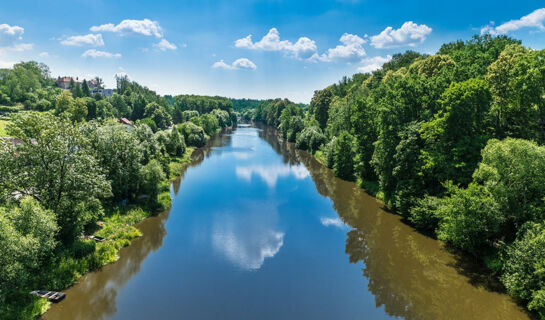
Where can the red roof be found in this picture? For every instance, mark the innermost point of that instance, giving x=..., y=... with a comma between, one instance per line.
x=126, y=121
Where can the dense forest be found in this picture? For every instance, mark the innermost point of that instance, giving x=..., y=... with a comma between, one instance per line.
x=69, y=169
x=453, y=142
x=240, y=105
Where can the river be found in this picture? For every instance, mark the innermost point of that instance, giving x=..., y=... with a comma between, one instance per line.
x=260, y=230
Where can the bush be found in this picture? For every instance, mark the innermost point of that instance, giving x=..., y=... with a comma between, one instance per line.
x=193, y=134
x=524, y=267
x=470, y=218
x=311, y=138
x=424, y=215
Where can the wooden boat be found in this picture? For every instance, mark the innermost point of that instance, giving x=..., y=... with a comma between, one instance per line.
x=52, y=296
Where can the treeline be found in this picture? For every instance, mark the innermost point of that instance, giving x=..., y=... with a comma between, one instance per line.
x=240, y=104
x=29, y=84
x=453, y=142
x=68, y=169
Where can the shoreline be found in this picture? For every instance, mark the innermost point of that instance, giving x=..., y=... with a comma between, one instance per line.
x=120, y=228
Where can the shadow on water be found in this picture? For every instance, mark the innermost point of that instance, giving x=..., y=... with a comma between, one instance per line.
x=411, y=275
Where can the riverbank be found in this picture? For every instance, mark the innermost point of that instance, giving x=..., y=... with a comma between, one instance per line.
x=85, y=255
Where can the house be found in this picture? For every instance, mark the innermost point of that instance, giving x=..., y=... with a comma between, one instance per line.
x=64, y=82
x=126, y=122
x=103, y=92
x=93, y=84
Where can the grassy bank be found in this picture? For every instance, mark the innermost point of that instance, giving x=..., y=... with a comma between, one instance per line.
x=86, y=255
x=3, y=124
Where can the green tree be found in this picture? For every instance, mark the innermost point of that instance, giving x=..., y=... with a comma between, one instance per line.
x=27, y=240
x=119, y=154
x=151, y=176
x=319, y=106
x=344, y=156
x=54, y=166
x=64, y=102
x=85, y=89
x=158, y=114
x=454, y=138
x=469, y=218
x=524, y=264
x=517, y=81
x=514, y=172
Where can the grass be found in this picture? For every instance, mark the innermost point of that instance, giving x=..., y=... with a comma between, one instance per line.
x=84, y=255
x=177, y=163
x=3, y=124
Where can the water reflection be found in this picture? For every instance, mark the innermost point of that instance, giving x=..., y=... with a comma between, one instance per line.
x=335, y=222
x=95, y=297
x=410, y=275
x=249, y=236
x=270, y=174
x=221, y=225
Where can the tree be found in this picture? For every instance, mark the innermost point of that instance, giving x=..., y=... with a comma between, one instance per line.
x=310, y=138
x=158, y=114
x=523, y=267
x=514, y=172
x=517, y=81
x=193, y=134
x=64, y=102
x=119, y=154
x=79, y=110
x=175, y=145
x=76, y=90
x=27, y=240
x=150, y=176
x=120, y=106
x=319, y=106
x=54, y=166
x=469, y=218
x=454, y=138
x=344, y=156
x=85, y=89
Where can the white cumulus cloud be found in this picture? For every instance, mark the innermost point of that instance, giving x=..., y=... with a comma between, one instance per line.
x=410, y=34
x=164, y=45
x=94, y=40
x=372, y=64
x=93, y=53
x=304, y=48
x=8, y=34
x=351, y=49
x=536, y=19
x=239, y=64
x=44, y=54
x=144, y=27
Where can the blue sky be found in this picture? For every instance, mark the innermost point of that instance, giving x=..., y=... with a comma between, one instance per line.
x=203, y=47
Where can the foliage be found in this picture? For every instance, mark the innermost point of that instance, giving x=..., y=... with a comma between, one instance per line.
x=469, y=218
x=524, y=275
x=343, y=154
x=54, y=165
x=193, y=134
x=27, y=240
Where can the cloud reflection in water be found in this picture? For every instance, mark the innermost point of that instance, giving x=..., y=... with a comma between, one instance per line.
x=249, y=237
x=270, y=174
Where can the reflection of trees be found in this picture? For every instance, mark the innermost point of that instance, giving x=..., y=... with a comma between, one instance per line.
x=409, y=274
x=95, y=295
